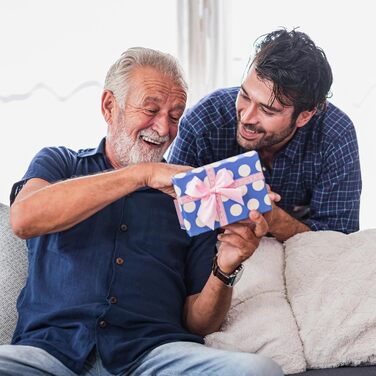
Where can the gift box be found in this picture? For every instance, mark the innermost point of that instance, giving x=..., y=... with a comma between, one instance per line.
x=220, y=193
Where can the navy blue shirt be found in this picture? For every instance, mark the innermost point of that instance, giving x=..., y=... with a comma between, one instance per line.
x=117, y=281
x=317, y=173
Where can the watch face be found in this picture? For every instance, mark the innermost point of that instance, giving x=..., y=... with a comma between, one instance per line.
x=237, y=275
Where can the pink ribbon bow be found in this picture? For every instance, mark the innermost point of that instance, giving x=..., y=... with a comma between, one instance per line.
x=210, y=193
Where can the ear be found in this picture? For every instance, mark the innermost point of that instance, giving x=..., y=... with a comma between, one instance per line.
x=304, y=117
x=108, y=104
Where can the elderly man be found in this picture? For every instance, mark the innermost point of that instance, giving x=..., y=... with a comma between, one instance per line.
x=115, y=287
x=307, y=146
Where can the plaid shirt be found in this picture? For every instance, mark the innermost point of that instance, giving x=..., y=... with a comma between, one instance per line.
x=317, y=173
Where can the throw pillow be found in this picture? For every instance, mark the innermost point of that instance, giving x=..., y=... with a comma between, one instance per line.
x=260, y=318
x=330, y=279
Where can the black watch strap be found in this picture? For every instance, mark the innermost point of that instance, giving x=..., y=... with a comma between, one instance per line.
x=227, y=279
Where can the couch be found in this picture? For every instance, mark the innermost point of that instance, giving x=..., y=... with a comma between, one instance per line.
x=291, y=303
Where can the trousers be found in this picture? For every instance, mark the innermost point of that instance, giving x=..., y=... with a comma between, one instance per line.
x=171, y=359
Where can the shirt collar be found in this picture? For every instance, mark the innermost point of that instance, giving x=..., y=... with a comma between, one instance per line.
x=90, y=152
x=295, y=145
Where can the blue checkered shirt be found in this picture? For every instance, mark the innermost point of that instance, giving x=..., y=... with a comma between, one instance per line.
x=317, y=173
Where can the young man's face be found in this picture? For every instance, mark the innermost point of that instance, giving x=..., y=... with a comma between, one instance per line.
x=262, y=124
x=147, y=125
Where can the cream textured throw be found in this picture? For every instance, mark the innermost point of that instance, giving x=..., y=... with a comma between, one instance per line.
x=331, y=284
x=260, y=319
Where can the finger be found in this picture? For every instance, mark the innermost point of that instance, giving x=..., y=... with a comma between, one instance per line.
x=245, y=230
x=246, y=248
x=275, y=197
x=261, y=226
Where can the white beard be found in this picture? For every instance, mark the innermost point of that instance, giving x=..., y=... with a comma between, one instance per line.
x=128, y=151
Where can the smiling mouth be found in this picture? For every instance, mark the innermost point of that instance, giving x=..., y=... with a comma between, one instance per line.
x=150, y=141
x=248, y=132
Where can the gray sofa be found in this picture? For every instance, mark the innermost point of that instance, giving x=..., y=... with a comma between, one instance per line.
x=13, y=271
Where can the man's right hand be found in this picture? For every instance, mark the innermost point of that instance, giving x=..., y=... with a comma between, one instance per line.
x=159, y=176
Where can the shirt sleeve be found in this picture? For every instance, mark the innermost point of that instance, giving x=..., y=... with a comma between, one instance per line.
x=199, y=261
x=336, y=198
x=51, y=164
x=184, y=149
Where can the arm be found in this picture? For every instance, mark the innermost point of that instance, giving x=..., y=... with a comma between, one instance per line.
x=335, y=192
x=282, y=225
x=41, y=208
x=335, y=199
x=205, y=312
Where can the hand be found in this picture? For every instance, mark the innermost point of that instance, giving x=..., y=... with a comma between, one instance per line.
x=159, y=176
x=240, y=240
x=271, y=215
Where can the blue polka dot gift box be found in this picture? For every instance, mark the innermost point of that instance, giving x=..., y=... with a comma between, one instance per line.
x=220, y=193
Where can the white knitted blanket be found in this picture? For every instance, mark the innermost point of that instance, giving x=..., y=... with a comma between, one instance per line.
x=328, y=317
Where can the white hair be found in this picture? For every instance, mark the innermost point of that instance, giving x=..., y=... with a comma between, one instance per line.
x=117, y=78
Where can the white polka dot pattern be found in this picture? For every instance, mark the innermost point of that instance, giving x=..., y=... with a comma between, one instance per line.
x=236, y=210
x=177, y=190
x=258, y=185
x=189, y=207
x=267, y=200
x=253, y=204
x=187, y=225
x=243, y=189
x=233, y=159
x=244, y=170
x=181, y=175
x=199, y=223
x=198, y=170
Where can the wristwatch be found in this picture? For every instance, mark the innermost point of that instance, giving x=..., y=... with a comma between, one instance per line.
x=227, y=279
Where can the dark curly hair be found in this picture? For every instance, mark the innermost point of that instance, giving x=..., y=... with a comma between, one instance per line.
x=299, y=70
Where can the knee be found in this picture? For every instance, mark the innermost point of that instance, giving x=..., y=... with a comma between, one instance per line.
x=255, y=365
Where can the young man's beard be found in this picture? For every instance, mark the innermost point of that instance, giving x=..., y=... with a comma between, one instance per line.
x=267, y=140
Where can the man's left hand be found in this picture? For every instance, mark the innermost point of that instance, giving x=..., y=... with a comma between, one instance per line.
x=240, y=240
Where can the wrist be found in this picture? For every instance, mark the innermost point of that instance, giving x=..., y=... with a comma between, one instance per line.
x=227, y=268
x=229, y=279
x=141, y=173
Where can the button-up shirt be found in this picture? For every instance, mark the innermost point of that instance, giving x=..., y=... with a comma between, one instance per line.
x=317, y=173
x=118, y=280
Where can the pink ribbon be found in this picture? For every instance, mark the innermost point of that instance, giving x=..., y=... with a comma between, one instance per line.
x=210, y=193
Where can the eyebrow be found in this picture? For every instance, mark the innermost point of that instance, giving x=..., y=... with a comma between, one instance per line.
x=157, y=100
x=270, y=108
x=151, y=99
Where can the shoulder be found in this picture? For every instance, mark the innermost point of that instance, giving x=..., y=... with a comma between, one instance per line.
x=335, y=124
x=212, y=111
x=59, y=154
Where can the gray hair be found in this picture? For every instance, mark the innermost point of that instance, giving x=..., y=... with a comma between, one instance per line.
x=117, y=78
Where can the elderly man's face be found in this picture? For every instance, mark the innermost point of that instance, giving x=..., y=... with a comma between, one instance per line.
x=148, y=124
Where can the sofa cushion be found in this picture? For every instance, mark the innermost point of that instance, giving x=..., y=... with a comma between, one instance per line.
x=331, y=280
x=260, y=318
x=13, y=270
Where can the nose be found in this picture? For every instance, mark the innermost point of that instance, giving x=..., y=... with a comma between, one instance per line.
x=161, y=125
x=249, y=114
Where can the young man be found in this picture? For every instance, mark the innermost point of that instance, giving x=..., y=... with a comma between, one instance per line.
x=115, y=287
x=307, y=146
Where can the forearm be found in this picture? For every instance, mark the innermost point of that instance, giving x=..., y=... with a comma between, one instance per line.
x=283, y=226
x=59, y=206
x=210, y=307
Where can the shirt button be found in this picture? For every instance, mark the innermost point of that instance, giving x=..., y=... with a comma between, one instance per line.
x=264, y=169
x=102, y=324
x=124, y=227
x=119, y=261
x=113, y=300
